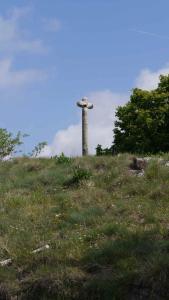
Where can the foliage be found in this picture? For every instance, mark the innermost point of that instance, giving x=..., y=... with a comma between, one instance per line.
x=100, y=151
x=80, y=174
x=63, y=159
x=9, y=143
x=38, y=149
x=143, y=123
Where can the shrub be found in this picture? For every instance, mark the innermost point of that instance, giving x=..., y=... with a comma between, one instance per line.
x=79, y=174
x=62, y=159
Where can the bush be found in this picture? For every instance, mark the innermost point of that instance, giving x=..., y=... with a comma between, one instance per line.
x=62, y=159
x=79, y=174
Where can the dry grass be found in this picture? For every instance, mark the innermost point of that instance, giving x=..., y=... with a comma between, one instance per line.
x=108, y=231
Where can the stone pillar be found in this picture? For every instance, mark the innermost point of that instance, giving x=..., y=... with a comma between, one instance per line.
x=85, y=105
x=84, y=131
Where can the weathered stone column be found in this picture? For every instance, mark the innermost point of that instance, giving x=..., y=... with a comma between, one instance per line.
x=85, y=105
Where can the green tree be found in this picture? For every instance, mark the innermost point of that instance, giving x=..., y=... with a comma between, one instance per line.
x=99, y=150
x=9, y=143
x=38, y=149
x=106, y=151
x=142, y=124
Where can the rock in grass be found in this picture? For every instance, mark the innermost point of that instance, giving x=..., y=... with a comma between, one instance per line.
x=41, y=249
x=138, y=164
x=5, y=262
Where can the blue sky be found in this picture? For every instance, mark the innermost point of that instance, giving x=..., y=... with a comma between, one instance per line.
x=52, y=53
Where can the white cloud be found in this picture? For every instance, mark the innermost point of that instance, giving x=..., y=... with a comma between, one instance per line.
x=148, y=80
x=52, y=25
x=13, y=78
x=13, y=38
x=101, y=120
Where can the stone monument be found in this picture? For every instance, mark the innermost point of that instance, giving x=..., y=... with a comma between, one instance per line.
x=85, y=105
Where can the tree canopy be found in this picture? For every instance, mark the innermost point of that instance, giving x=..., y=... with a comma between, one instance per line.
x=9, y=143
x=142, y=124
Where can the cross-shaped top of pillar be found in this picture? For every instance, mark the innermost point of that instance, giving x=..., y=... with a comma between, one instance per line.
x=85, y=103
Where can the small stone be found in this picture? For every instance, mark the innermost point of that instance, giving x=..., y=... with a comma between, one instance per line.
x=41, y=249
x=5, y=262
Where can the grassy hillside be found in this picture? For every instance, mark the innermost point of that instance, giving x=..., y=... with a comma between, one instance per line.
x=107, y=230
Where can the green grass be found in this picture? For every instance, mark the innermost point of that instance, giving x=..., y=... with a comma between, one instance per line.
x=108, y=230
